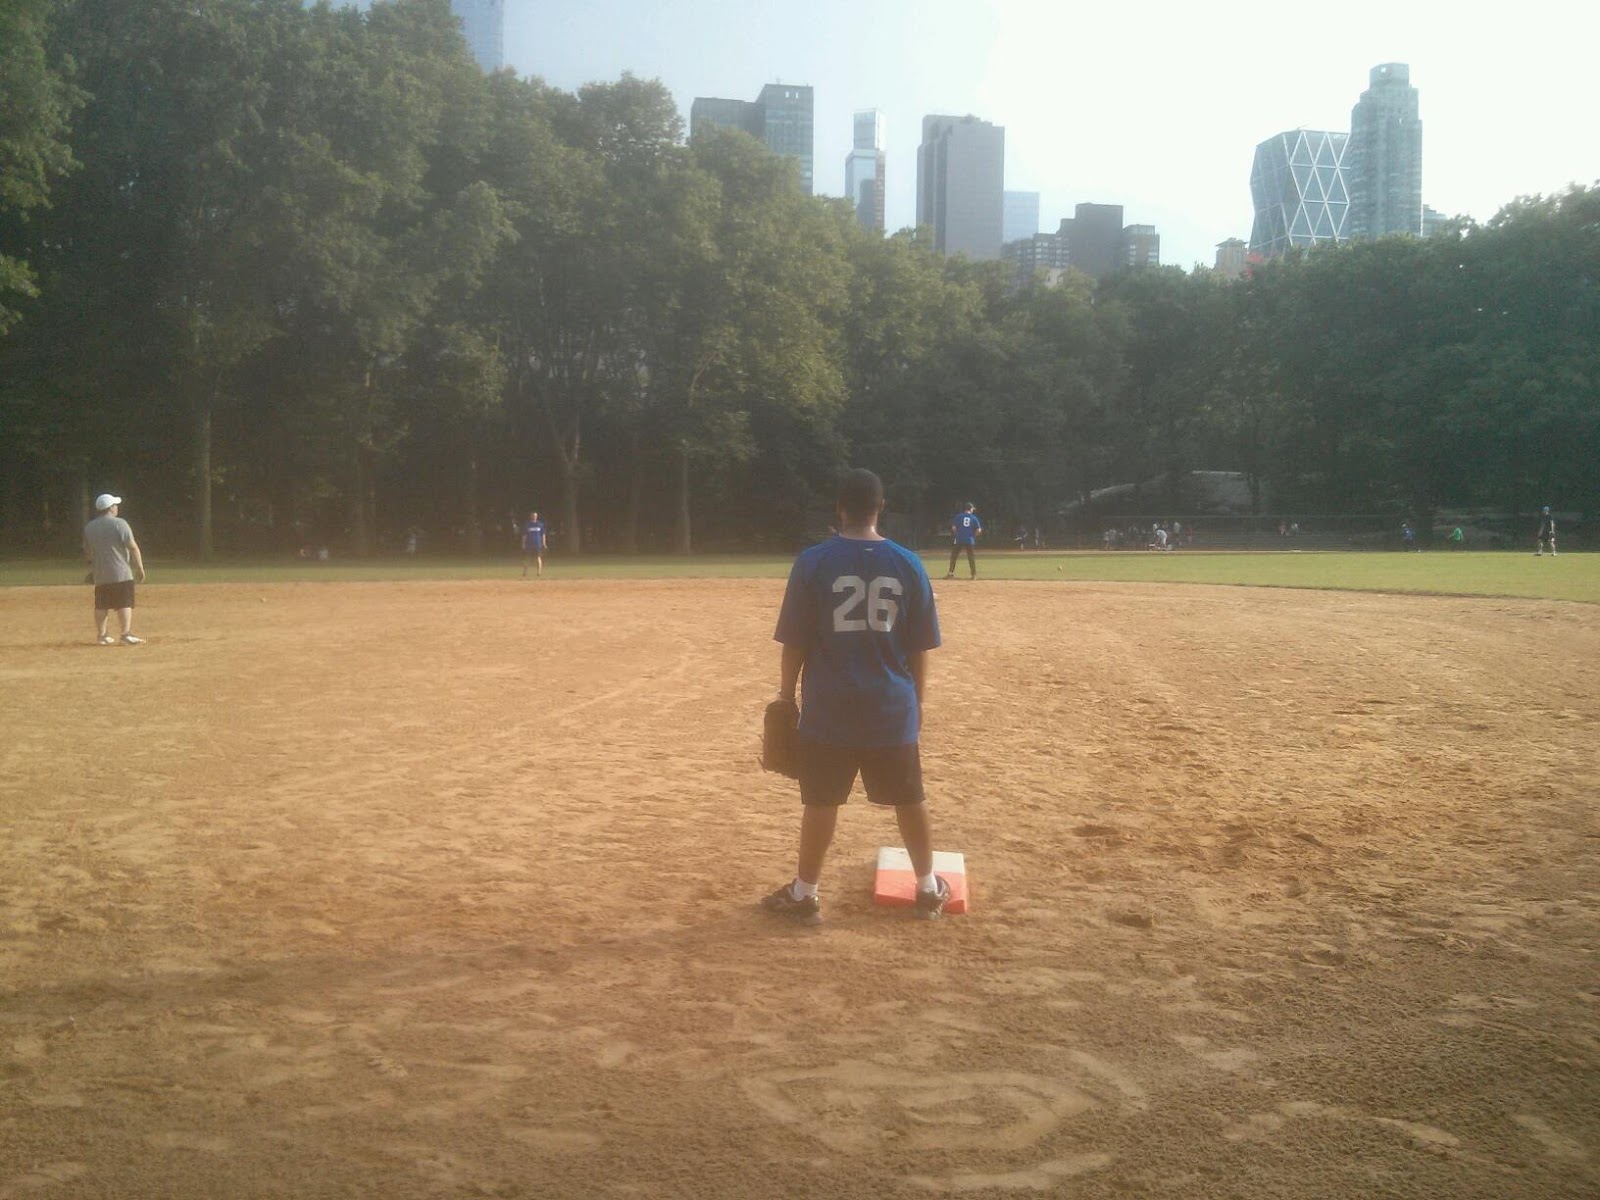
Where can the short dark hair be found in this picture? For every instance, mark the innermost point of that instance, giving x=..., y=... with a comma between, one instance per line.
x=860, y=494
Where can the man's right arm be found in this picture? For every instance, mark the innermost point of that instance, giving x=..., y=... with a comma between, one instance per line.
x=794, y=658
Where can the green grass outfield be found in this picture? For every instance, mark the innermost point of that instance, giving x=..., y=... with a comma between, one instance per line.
x=1569, y=577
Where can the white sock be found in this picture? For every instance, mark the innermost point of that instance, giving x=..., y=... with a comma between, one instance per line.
x=928, y=882
x=801, y=890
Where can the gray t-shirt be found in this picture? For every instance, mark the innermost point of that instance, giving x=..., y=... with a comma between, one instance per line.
x=107, y=540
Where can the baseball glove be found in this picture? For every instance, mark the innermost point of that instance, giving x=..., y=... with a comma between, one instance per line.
x=780, y=738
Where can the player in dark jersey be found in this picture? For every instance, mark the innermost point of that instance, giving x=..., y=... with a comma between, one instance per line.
x=533, y=538
x=858, y=616
x=1547, y=533
x=965, y=528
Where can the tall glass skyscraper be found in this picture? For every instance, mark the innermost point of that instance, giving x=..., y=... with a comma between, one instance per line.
x=483, y=24
x=781, y=117
x=1301, y=195
x=1384, y=163
x=864, y=168
x=961, y=170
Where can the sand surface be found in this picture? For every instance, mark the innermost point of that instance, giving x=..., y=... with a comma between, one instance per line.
x=449, y=889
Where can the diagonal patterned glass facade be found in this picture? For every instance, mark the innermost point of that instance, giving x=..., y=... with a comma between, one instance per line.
x=1300, y=191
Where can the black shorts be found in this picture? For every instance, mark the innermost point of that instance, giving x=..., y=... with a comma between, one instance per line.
x=891, y=774
x=114, y=595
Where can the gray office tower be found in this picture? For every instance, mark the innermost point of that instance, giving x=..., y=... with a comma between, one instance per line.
x=1384, y=162
x=1021, y=216
x=863, y=170
x=781, y=117
x=961, y=170
x=1301, y=197
x=1094, y=239
x=483, y=24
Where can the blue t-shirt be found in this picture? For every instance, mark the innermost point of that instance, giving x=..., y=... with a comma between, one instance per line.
x=860, y=609
x=967, y=527
x=533, y=535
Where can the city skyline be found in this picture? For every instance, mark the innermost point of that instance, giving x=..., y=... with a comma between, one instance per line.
x=1169, y=135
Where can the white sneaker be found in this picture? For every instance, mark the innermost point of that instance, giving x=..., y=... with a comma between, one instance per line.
x=107, y=640
x=129, y=640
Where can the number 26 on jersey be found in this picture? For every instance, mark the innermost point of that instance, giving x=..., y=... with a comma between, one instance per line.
x=878, y=600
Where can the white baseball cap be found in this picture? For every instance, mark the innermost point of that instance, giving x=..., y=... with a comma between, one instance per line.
x=106, y=500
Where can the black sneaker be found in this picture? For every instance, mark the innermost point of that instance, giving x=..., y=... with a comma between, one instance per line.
x=782, y=903
x=930, y=905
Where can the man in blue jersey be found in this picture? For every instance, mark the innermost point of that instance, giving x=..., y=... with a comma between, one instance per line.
x=965, y=528
x=533, y=545
x=859, y=618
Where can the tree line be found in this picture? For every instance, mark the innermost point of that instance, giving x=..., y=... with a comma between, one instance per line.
x=283, y=274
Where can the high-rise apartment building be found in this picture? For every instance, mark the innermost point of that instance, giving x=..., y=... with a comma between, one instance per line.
x=781, y=116
x=1021, y=219
x=961, y=168
x=483, y=24
x=1300, y=192
x=1141, y=246
x=864, y=169
x=1231, y=257
x=1384, y=160
x=1030, y=255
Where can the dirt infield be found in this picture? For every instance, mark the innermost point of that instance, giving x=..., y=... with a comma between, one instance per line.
x=423, y=890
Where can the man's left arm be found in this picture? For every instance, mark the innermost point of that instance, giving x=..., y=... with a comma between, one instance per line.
x=135, y=558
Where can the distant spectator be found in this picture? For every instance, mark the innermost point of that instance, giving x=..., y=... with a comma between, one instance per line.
x=1547, y=533
x=1457, y=538
x=1408, y=536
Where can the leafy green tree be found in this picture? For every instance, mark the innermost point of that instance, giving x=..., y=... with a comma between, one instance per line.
x=37, y=99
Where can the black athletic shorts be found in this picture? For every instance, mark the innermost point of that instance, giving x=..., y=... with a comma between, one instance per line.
x=891, y=774
x=114, y=595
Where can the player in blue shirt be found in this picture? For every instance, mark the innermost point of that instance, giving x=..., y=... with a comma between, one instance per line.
x=965, y=528
x=858, y=616
x=533, y=539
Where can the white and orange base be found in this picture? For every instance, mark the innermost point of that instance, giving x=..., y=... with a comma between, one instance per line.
x=896, y=882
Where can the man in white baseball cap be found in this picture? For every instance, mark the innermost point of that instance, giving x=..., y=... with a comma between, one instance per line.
x=113, y=558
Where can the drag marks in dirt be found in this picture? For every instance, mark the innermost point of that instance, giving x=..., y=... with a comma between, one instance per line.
x=450, y=890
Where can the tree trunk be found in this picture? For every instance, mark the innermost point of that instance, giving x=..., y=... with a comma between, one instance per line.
x=202, y=477
x=681, y=534
x=567, y=462
x=630, y=519
x=356, y=504
x=474, y=527
x=569, y=507
x=85, y=506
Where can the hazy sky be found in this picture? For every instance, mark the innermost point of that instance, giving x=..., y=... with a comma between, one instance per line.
x=1155, y=106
